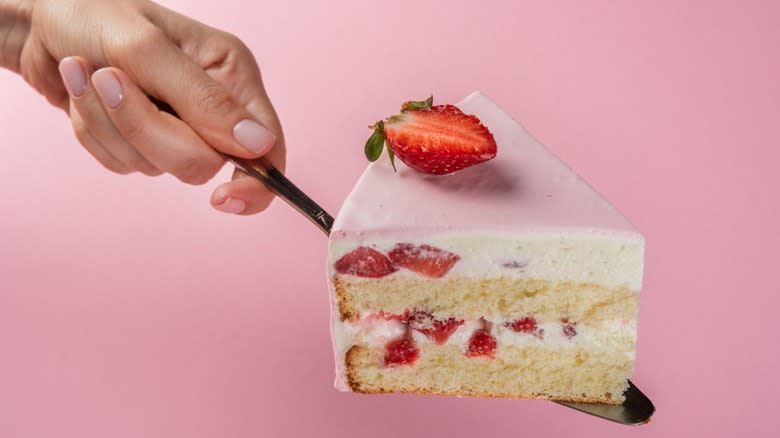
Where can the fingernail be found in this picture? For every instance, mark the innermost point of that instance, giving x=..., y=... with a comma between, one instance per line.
x=73, y=76
x=231, y=205
x=253, y=136
x=108, y=87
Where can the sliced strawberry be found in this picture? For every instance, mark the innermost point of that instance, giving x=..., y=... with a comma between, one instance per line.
x=525, y=325
x=438, y=330
x=392, y=316
x=442, y=329
x=482, y=343
x=432, y=139
x=569, y=328
x=423, y=259
x=365, y=262
x=401, y=351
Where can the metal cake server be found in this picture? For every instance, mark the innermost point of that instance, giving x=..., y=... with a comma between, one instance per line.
x=635, y=410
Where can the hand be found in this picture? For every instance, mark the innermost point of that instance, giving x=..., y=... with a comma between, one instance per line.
x=99, y=60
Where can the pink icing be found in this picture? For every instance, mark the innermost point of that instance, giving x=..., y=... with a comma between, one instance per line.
x=524, y=189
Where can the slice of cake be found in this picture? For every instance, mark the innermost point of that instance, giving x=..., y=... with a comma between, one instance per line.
x=510, y=278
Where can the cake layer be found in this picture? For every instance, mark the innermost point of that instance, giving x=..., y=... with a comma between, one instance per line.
x=579, y=373
x=613, y=338
x=582, y=257
x=494, y=298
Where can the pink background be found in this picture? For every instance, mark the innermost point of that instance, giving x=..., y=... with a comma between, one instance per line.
x=129, y=308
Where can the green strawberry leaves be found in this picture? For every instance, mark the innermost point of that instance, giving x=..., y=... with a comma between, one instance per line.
x=391, y=154
x=376, y=142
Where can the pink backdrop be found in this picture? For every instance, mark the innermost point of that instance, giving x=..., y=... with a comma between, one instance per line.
x=129, y=308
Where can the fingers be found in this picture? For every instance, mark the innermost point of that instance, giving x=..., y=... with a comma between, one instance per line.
x=94, y=147
x=165, y=141
x=116, y=122
x=224, y=57
x=125, y=132
x=92, y=118
x=165, y=71
x=244, y=195
x=212, y=81
x=40, y=71
x=226, y=60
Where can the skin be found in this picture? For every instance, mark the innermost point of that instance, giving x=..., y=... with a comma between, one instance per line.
x=208, y=76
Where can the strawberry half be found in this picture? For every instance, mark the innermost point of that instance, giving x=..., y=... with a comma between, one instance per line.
x=423, y=259
x=438, y=330
x=482, y=343
x=401, y=351
x=437, y=139
x=365, y=262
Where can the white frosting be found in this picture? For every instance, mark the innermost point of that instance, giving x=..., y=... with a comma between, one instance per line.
x=606, y=260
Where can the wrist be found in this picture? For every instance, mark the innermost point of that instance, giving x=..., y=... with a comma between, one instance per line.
x=15, y=17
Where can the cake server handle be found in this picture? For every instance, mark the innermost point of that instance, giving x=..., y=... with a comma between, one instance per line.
x=276, y=182
x=637, y=409
x=262, y=170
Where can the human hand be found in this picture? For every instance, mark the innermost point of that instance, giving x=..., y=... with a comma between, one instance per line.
x=98, y=60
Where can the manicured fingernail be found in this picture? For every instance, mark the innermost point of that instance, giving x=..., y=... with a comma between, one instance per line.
x=254, y=136
x=108, y=87
x=231, y=205
x=73, y=76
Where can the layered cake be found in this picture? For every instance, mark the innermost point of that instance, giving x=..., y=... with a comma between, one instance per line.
x=509, y=278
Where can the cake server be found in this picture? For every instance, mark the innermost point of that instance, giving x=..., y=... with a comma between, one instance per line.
x=635, y=410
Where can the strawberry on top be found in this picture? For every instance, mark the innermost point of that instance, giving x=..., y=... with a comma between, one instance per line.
x=432, y=139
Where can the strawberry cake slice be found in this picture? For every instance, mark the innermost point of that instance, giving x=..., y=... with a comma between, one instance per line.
x=479, y=264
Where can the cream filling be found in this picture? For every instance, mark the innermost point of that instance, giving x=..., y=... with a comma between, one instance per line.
x=612, y=261
x=376, y=333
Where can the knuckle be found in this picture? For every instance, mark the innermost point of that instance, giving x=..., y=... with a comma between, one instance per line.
x=132, y=130
x=234, y=42
x=81, y=132
x=192, y=177
x=149, y=170
x=213, y=99
x=157, y=172
x=112, y=164
x=116, y=167
x=139, y=164
x=196, y=172
x=84, y=137
x=137, y=43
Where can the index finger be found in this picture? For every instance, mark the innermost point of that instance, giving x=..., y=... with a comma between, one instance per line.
x=163, y=70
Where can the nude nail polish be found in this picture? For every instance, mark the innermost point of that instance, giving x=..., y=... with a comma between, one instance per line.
x=253, y=136
x=108, y=87
x=73, y=76
x=231, y=205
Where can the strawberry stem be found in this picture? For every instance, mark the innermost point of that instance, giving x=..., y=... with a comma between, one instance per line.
x=413, y=105
x=376, y=142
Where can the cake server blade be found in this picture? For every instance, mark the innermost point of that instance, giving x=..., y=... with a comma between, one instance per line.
x=636, y=410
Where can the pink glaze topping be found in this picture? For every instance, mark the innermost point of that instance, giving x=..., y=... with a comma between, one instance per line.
x=525, y=189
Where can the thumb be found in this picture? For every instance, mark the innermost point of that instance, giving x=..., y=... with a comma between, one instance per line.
x=163, y=70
